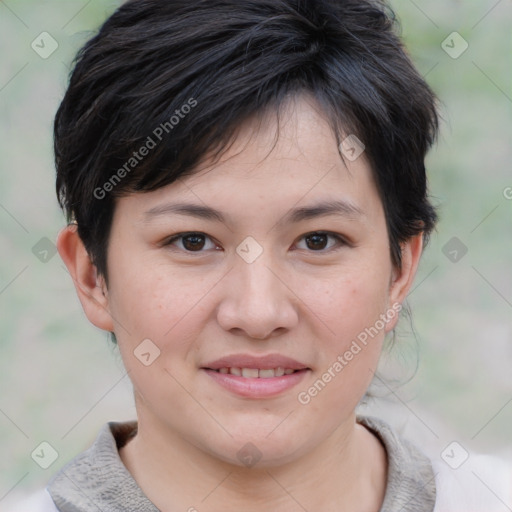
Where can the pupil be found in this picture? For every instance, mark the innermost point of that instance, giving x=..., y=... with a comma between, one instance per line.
x=197, y=242
x=318, y=240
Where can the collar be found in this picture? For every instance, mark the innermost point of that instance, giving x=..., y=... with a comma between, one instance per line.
x=411, y=483
x=98, y=480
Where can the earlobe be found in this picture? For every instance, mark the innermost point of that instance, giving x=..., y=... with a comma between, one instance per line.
x=90, y=287
x=404, y=276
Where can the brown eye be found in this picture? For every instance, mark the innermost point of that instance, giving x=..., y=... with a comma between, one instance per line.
x=319, y=241
x=193, y=242
x=190, y=242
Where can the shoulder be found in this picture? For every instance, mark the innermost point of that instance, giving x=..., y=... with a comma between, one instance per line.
x=462, y=481
x=480, y=483
x=40, y=501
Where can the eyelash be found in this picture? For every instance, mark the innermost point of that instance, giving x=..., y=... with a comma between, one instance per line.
x=340, y=240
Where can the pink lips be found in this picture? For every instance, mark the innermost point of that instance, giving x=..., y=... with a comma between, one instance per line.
x=263, y=362
x=256, y=387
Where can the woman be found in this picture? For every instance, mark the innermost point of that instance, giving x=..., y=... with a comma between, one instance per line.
x=248, y=201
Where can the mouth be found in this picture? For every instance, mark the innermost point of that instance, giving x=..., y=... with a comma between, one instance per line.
x=256, y=373
x=256, y=383
x=256, y=376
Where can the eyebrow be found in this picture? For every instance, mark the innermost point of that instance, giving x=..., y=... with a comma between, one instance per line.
x=322, y=209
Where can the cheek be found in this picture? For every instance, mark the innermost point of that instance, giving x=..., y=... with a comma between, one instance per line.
x=352, y=301
x=347, y=371
x=165, y=308
x=351, y=308
x=158, y=303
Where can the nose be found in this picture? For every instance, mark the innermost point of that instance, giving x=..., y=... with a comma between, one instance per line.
x=257, y=301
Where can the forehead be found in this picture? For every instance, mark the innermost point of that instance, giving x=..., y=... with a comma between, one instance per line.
x=280, y=160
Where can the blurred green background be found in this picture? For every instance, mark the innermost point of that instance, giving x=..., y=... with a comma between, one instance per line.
x=60, y=377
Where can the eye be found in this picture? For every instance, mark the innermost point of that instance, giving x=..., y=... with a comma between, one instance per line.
x=190, y=242
x=318, y=241
x=197, y=242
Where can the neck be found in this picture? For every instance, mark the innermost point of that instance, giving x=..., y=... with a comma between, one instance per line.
x=347, y=471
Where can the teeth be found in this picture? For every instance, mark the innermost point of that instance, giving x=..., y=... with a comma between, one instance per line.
x=265, y=374
x=279, y=372
x=256, y=373
x=249, y=372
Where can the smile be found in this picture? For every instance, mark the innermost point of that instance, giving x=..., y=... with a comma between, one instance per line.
x=256, y=383
x=256, y=373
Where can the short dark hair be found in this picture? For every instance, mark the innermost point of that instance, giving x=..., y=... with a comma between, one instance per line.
x=179, y=77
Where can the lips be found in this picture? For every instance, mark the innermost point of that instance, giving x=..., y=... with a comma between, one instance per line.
x=256, y=377
x=246, y=365
x=256, y=388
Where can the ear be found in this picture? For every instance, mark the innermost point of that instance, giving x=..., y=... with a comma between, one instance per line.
x=402, y=278
x=90, y=287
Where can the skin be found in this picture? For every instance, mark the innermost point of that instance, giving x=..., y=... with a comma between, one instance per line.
x=304, y=299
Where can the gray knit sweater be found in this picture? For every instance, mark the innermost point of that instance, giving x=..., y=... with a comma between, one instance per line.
x=97, y=479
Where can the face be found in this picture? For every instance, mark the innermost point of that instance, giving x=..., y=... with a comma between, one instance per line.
x=280, y=259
